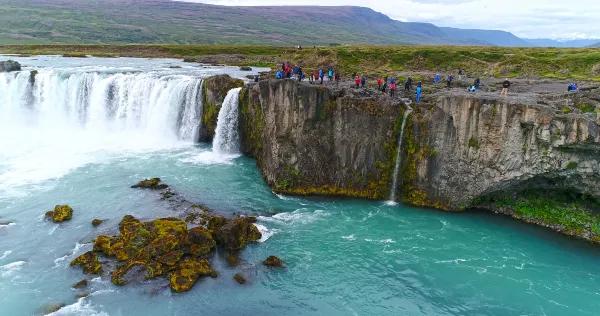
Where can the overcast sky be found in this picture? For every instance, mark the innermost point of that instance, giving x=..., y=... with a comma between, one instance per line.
x=524, y=18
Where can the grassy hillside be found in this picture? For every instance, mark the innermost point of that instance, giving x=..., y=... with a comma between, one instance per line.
x=174, y=22
x=580, y=63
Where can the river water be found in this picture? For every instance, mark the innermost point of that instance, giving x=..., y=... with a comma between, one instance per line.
x=342, y=256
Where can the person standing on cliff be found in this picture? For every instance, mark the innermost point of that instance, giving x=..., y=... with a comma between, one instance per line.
x=449, y=81
x=363, y=81
x=392, y=89
x=437, y=79
x=321, y=75
x=460, y=73
x=330, y=74
x=410, y=81
x=418, y=94
x=310, y=78
x=357, y=81
x=505, y=87
x=379, y=83
x=384, y=87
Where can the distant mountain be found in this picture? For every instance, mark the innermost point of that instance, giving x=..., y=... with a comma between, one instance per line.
x=497, y=38
x=175, y=22
x=595, y=45
x=546, y=42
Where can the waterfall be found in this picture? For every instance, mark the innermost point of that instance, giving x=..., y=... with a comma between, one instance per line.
x=227, y=138
x=399, y=156
x=151, y=104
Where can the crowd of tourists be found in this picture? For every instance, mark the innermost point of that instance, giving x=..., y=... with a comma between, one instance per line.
x=384, y=84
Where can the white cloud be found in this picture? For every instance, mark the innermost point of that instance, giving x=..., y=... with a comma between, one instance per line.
x=524, y=18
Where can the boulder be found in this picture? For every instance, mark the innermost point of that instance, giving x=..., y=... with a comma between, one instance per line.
x=88, y=262
x=82, y=294
x=189, y=60
x=201, y=241
x=60, y=214
x=246, y=68
x=97, y=222
x=9, y=65
x=53, y=307
x=272, y=261
x=235, y=233
x=188, y=272
x=80, y=285
x=239, y=278
x=153, y=184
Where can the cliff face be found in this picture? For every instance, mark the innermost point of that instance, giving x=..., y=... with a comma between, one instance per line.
x=463, y=148
x=312, y=140
x=215, y=90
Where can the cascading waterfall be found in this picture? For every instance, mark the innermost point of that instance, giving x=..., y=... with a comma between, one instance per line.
x=227, y=138
x=151, y=103
x=399, y=156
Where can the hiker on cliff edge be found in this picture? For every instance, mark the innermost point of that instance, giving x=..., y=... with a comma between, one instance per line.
x=418, y=94
x=379, y=83
x=357, y=81
x=437, y=79
x=392, y=90
x=449, y=81
x=505, y=87
x=321, y=75
x=409, y=82
x=460, y=73
x=330, y=74
x=363, y=81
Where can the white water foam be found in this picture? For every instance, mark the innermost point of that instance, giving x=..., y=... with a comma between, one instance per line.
x=6, y=254
x=266, y=232
x=227, y=138
x=351, y=237
x=7, y=269
x=295, y=217
x=399, y=156
x=81, y=307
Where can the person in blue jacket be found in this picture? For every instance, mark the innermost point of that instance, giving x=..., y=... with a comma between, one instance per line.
x=418, y=94
x=437, y=79
x=330, y=75
x=321, y=75
x=279, y=75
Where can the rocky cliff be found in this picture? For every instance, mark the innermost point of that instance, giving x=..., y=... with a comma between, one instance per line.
x=9, y=65
x=310, y=140
x=215, y=89
x=462, y=147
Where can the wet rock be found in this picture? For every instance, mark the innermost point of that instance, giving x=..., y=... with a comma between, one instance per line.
x=233, y=259
x=272, y=261
x=97, y=222
x=60, y=214
x=201, y=241
x=245, y=68
x=188, y=272
x=251, y=219
x=80, y=285
x=239, y=278
x=88, y=262
x=81, y=294
x=32, y=75
x=153, y=184
x=54, y=307
x=9, y=65
x=215, y=223
x=167, y=195
x=189, y=60
x=5, y=223
x=235, y=233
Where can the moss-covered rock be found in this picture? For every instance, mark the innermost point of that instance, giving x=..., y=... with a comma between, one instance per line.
x=272, y=261
x=201, y=241
x=235, y=233
x=233, y=259
x=97, y=222
x=188, y=272
x=80, y=285
x=239, y=278
x=88, y=262
x=60, y=214
x=215, y=91
x=153, y=183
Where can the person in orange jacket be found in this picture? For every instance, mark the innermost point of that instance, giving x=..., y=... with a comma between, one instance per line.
x=357, y=80
x=379, y=83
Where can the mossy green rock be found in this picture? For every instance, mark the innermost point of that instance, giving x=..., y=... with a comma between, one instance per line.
x=97, y=222
x=201, y=241
x=239, y=278
x=81, y=284
x=235, y=233
x=60, y=214
x=153, y=183
x=272, y=261
x=188, y=272
x=88, y=262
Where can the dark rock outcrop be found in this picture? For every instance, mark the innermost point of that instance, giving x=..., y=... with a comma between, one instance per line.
x=311, y=140
x=215, y=91
x=272, y=261
x=9, y=65
x=236, y=233
x=97, y=222
x=60, y=214
x=239, y=278
x=153, y=184
x=80, y=285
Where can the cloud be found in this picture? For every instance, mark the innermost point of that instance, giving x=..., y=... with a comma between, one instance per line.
x=524, y=18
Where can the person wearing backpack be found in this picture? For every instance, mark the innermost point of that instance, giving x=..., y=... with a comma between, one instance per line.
x=449, y=81
x=330, y=74
x=505, y=86
x=392, y=90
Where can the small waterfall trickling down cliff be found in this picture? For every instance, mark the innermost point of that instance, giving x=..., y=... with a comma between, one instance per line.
x=399, y=157
x=156, y=105
x=227, y=137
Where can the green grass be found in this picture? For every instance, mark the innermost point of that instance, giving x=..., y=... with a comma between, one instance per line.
x=374, y=61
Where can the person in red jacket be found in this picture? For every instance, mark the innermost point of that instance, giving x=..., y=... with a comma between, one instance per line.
x=379, y=83
x=357, y=80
